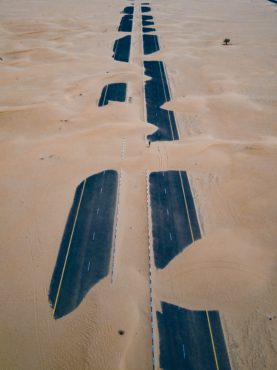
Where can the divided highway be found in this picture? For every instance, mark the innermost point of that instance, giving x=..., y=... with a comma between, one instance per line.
x=188, y=339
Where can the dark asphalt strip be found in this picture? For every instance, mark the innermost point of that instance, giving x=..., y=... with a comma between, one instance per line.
x=185, y=340
x=147, y=20
x=145, y=9
x=122, y=48
x=147, y=23
x=190, y=205
x=85, y=251
x=150, y=44
x=173, y=215
x=156, y=94
x=148, y=29
x=126, y=23
x=128, y=10
x=146, y=17
x=114, y=92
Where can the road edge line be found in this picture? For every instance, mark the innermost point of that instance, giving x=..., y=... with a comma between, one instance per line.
x=68, y=248
x=115, y=228
x=150, y=272
x=212, y=340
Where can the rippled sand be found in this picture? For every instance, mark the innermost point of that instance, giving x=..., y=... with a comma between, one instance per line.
x=57, y=56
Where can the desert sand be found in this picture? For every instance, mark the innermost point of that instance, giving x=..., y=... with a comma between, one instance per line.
x=57, y=56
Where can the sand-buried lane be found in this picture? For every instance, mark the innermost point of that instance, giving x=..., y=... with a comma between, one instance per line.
x=191, y=340
x=147, y=20
x=126, y=23
x=145, y=9
x=156, y=94
x=122, y=49
x=128, y=10
x=85, y=251
x=148, y=29
x=174, y=219
x=188, y=339
x=150, y=43
x=113, y=92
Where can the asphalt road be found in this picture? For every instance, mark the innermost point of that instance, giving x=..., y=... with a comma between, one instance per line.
x=174, y=219
x=148, y=29
x=85, y=250
x=156, y=94
x=191, y=340
x=114, y=92
x=145, y=9
x=147, y=20
x=128, y=10
x=122, y=49
x=150, y=44
x=126, y=23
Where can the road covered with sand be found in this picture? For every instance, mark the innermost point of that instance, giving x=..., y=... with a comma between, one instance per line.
x=56, y=57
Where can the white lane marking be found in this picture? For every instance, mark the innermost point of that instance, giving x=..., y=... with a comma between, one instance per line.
x=163, y=173
x=116, y=42
x=104, y=173
x=101, y=190
x=170, y=97
x=166, y=100
x=167, y=211
x=88, y=265
x=184, y=353
x=97, y=211
x=165, y=190
x=115, y=227
x=107, y=86
x=186, y=206
x=151, y=283
x=157, y=44
x=93, y=236
x=170, y=236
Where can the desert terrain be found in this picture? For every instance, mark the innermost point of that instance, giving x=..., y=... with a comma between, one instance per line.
x=55, y=59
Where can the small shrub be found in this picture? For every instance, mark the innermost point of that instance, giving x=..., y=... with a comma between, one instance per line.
x=226, y=41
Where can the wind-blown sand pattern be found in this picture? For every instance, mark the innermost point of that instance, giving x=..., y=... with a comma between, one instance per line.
x=57, y=57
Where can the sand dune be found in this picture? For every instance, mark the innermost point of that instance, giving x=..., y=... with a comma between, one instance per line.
x=57, y=57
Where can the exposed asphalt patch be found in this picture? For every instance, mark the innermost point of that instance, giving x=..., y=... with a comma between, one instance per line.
x=114, y=92
x=150, y=44
x=174, y=219
x=156, y=94
x=191, y=340
x=85, y=250
x=122, y=48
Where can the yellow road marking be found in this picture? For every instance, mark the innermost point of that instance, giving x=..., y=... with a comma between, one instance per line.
x=105, y=94
x=192, y=237
x=68, y=248
x=207, y=313
x=212, y=339
x=166, y=101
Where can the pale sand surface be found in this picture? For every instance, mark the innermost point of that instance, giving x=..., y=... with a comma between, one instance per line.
x=225, y=100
